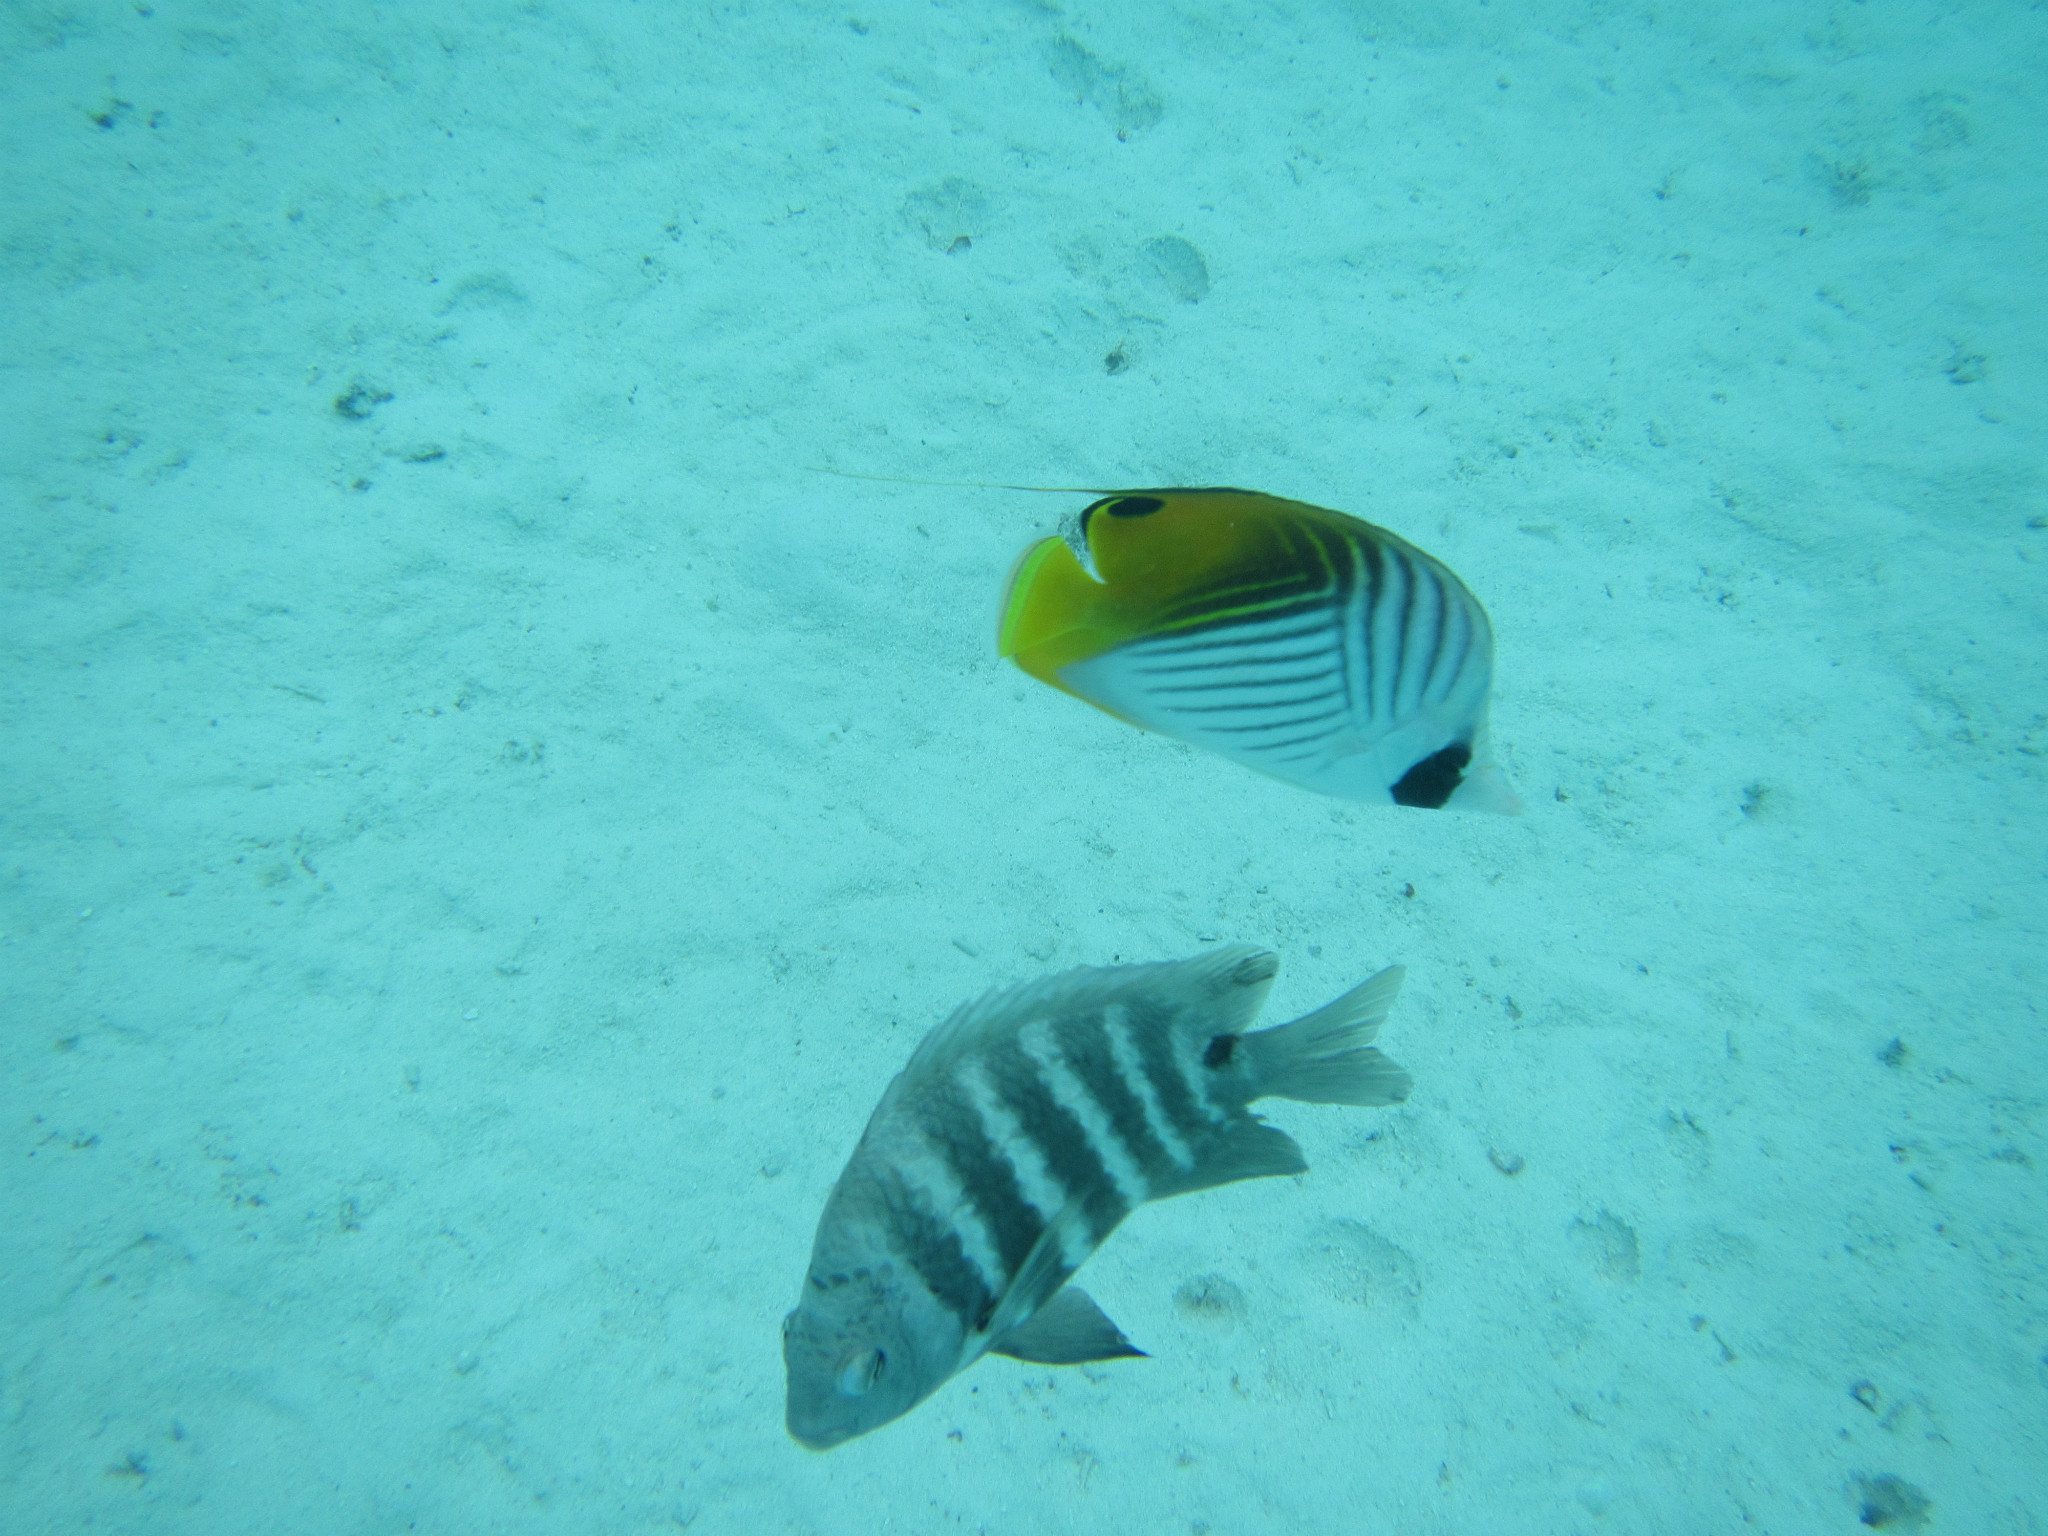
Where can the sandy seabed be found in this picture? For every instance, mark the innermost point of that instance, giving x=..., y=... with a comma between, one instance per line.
x=484, y=817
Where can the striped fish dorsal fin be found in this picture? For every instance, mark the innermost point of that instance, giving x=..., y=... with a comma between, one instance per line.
x=1219, y=993
x=1229, y=985
x=1230, y=982
x=974, y=1025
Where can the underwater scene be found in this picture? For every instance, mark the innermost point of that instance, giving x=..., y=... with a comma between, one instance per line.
x=1023, y=766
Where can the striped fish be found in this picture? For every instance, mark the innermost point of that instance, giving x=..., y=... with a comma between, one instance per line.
x=1295, y=640
x=1022, y=1131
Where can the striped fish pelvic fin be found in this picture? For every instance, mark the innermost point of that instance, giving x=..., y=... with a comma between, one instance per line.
x=1068, y=1330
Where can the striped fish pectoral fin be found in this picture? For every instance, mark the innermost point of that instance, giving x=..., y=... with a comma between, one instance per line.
x=1068, y=1330
x=1247, y=1148
x=1327, y=1057
x=1060, y=1248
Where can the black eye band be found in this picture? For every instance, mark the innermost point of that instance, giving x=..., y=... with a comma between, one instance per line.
x=1119, y=506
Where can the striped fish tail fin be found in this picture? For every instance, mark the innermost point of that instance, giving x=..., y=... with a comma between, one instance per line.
x=1328, y=1057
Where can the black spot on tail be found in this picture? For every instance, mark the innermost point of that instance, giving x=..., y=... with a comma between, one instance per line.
x=1221, y=1049
x=1430, y=782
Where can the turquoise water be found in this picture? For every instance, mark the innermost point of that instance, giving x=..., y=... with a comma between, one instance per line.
x=484, y=817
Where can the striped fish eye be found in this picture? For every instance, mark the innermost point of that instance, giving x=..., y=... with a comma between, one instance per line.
x=860, y=1373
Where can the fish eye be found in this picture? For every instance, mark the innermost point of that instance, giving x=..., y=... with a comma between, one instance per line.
x=860, y=1373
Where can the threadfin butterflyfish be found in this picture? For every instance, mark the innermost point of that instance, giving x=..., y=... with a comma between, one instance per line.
x=1304, y=643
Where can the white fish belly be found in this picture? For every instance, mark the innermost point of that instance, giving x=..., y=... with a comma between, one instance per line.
x=1292, y=701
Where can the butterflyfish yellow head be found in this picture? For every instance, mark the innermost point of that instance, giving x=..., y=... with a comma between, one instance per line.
x=1120, y=568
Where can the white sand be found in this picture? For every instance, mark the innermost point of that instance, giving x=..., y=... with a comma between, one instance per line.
x=471, y=869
